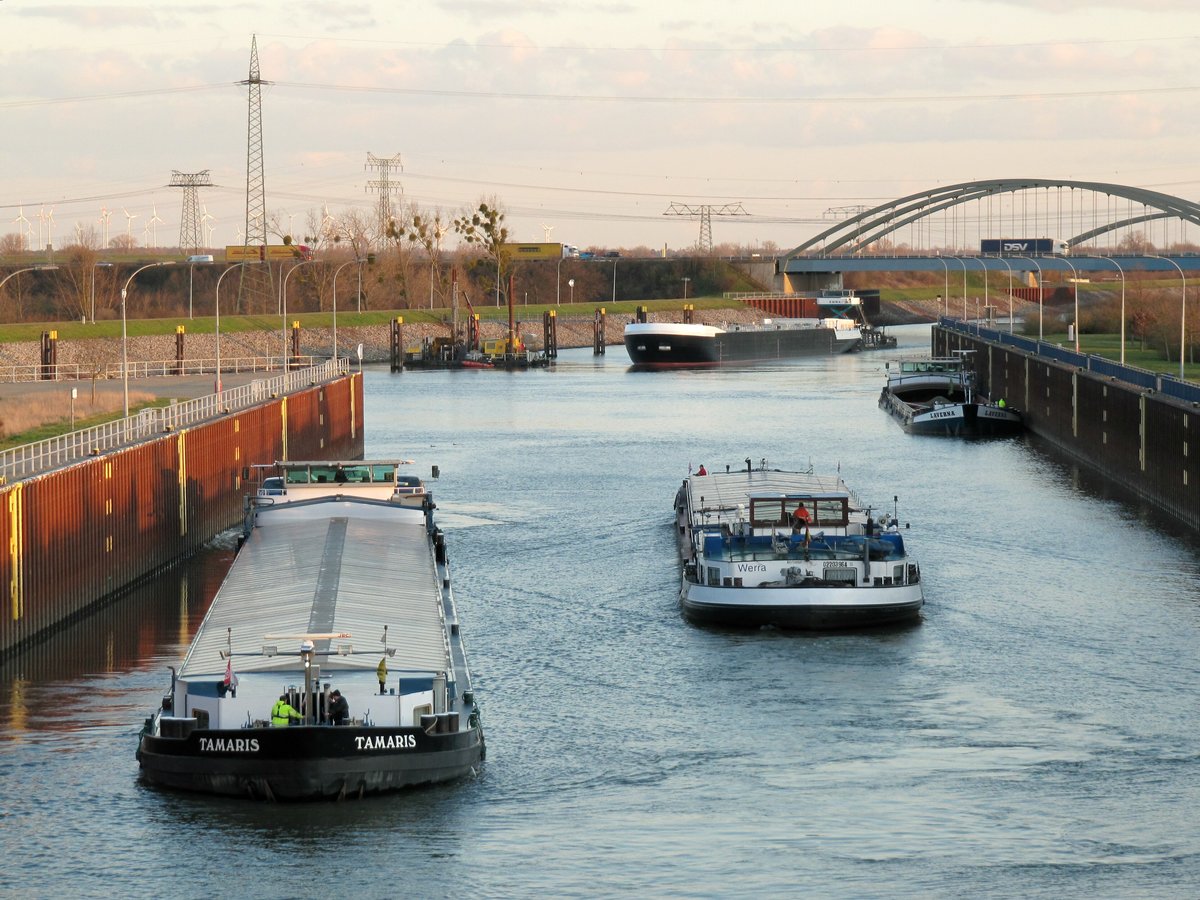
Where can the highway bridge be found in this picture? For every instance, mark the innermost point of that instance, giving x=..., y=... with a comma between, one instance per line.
x=1093, y=226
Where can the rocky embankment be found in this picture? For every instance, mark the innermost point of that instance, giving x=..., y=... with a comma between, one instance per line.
x=105, y=354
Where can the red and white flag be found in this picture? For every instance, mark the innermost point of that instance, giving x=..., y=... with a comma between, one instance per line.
x=231, y=680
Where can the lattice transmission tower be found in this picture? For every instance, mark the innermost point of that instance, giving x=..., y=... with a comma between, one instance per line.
x=383, y=184
x=191, y=228
x=256, y=287
x=705, y=212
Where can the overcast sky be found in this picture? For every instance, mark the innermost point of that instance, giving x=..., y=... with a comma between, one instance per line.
x=589, y=117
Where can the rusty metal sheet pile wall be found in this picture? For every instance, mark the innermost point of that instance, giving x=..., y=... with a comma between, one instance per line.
x=73, y=536
x=1140, y=440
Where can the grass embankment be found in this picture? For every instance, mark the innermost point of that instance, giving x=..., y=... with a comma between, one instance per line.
x=22, y=422
x=111, y=329
x=25, y=422
x=51, y=415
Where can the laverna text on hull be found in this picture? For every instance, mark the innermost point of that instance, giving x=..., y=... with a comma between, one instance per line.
x=937, y=396
x=666, y=345
x=762, y=546
x=330, y=664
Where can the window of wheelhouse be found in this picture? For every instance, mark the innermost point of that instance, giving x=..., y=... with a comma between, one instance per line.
x=776, y=512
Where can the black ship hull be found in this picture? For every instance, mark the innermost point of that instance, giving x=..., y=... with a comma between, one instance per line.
x=673, y=348
x=308, y=762
x=800, y=617
x=954, y=419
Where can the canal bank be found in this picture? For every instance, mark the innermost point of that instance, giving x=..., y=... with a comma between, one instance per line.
x=1134, y=428
x=88, y=515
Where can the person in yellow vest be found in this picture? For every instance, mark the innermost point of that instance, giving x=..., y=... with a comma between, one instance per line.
x=381, y=674
x=282, y=712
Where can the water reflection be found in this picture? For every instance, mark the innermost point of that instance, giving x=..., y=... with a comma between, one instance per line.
x=53, y=683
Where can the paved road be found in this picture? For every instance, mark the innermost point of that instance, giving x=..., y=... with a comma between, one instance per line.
x=176, y=387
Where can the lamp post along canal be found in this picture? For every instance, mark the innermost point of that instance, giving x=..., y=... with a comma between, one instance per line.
x=125, y=333
x=12, y=275
x=335, y=275
x=283, y=304
x=1121, y=271
x=1182, y=314
x=1039, y=290
x=217, y=311
x=1075, y=279
x=95, y=265
x=946, y=287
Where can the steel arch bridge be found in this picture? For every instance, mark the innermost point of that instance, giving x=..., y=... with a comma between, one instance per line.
x=854, y=235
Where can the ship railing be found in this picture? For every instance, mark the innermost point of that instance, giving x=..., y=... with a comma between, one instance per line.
x=30, y=459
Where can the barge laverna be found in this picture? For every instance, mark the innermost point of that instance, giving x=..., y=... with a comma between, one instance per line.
x=938, y=396
x=762, y=546
x=340, y=589
x=666, y=345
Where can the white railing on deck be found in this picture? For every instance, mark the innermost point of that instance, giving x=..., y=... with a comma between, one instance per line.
x=29, y=459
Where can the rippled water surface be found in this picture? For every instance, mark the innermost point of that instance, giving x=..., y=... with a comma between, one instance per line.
x=1034, y=735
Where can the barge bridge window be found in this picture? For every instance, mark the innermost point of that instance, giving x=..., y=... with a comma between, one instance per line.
x=776, y=512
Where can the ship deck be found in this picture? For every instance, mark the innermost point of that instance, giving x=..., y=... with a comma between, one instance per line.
x=346, y=567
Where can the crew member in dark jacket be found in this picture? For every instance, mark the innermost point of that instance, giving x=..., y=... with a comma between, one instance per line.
x=339, y=709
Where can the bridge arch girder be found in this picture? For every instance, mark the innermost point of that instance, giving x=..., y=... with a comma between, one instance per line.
x=877, y=222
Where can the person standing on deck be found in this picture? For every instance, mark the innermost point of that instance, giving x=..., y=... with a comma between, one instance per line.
x=339, y=709
x=381, y=674
x=282, y=712
x=800, y=521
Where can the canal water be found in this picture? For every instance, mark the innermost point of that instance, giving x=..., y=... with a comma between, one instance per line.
x=1034, y=735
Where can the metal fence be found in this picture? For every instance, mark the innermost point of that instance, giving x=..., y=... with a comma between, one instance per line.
x=1170, y=385
x=20, y=462
x=152, y=369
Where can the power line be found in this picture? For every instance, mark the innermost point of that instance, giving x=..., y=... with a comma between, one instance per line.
x=775, y=49
x=724, y=101
x=637, y=99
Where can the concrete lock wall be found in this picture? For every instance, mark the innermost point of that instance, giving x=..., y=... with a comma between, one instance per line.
x=1136, y=437
x=72, y=537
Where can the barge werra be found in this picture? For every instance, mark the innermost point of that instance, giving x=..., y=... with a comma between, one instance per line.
x=761, y=546
x=330, y=663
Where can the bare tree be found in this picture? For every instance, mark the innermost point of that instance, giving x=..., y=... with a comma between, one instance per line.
x=73, y=281
x=352, y=232
x=13, y=244
x=426, y=231
x=484, y=228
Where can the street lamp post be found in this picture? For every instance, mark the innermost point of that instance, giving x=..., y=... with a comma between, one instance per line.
x=962, y=263
x=283, y=302
x=946, y=278
x=1182, y=313
x=1004, y=262
x=614, y=300
x=191, y=268
x=10, y=275
x=558, y=282
x=125, y=333
x=217, y=310
x=1039, y=271
x=1122, y=273
x=983, y=265
x=335, y=275
x=106, y=265
x=685, y=284
x=1075, y=277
